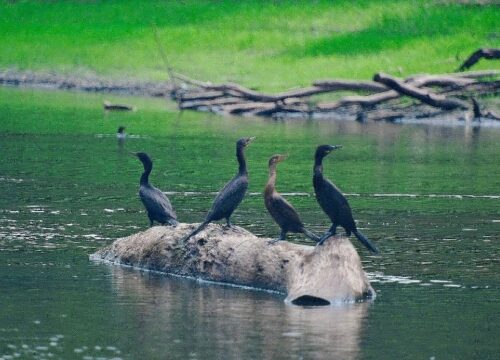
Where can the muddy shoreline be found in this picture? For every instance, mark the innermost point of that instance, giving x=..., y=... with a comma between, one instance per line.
x=92, y=83
x=86, y=83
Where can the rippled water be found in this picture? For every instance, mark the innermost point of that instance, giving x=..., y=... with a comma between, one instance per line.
x=428, y=196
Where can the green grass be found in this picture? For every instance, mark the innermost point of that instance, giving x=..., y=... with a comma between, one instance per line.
x=270, y=45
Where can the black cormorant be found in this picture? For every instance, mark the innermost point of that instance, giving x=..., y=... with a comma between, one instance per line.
x=333, y=203
x=281, y=210
x=155, y=201
x=231, y=195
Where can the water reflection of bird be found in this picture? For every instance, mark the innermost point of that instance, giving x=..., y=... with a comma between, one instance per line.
x=121, y=135
x=231, y=194
x=333, y=202
x=281, y=210
x=155, y=201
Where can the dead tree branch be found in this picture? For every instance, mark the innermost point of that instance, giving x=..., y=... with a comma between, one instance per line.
x=424, y=96
x=478, y=55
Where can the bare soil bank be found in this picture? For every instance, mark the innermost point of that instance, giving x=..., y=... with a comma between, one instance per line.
x=88, y=83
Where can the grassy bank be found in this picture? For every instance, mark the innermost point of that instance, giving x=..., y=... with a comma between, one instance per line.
x=270, y=45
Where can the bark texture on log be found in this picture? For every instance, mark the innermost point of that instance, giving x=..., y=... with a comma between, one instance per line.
x=327, y=274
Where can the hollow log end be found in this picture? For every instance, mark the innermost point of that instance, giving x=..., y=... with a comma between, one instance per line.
x=330, y=274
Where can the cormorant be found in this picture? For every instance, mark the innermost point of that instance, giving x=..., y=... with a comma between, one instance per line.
x=231, y=195
x=333, y=203
x=155, y=201
x=281, y=210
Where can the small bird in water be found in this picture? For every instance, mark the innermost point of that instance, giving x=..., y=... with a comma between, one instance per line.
x=155, y=201
x=121, y=135
x=333, y=202
x=231, y=195
x=281, y=210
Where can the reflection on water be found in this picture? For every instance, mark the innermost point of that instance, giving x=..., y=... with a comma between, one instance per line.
x=234, y=322
x=426, y=195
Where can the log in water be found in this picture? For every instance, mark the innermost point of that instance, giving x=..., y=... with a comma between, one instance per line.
x=327, y=274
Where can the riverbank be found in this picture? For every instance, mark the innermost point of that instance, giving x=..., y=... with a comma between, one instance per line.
x=87, y=83
x=269, y=46
x=392, y=111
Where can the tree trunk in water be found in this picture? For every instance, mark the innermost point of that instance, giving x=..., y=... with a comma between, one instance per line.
x=314, y=275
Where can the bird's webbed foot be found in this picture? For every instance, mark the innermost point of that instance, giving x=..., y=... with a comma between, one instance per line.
x=280, y=238
x=274, y=241
x=228, y=224
x=323, y=238
x=172, y=223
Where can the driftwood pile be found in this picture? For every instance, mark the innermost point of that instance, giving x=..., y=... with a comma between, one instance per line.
x=383, y=98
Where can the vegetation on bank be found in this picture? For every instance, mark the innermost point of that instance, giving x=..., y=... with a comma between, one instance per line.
x=270, y=45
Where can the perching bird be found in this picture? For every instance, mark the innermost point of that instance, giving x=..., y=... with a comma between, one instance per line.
x=231, y=195
x=333, y=203
x=281, y=210
x=155, y=201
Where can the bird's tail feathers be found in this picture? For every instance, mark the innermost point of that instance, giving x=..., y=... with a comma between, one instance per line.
x=195, y=231
x=311, y=235
x=365, y=241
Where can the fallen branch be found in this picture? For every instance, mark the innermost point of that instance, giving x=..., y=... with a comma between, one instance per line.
x=424, y=96
x=478, y=55
x=230, y=98
x=347, y=85
x=478, y=113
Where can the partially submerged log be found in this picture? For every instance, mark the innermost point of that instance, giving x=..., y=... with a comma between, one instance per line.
x=322, y=275
x=117, y=107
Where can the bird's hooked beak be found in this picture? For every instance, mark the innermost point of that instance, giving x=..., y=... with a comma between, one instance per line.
x=250, y=140
x=334, y=147
x=131, y=153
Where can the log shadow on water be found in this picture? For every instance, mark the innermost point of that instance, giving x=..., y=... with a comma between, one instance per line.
x=236, y=322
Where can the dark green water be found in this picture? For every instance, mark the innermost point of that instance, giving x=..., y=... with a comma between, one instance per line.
x=428, y=196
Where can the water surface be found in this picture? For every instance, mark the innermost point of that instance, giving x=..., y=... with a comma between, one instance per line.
x=428, y=196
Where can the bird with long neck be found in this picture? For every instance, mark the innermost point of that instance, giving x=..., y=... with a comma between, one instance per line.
x=231, y=195
x=333, y=202
x=280, y=209
x=158, y=206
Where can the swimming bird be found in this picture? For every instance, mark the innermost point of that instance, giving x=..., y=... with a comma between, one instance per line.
x=281, y=210
x=121, y=135
x=231, y=195
x=155, y=201
x=333, y=202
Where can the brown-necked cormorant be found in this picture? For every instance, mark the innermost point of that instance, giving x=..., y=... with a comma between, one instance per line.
x=281, y=210
x=231, y=195
x=155, y=201
x=333, y=203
